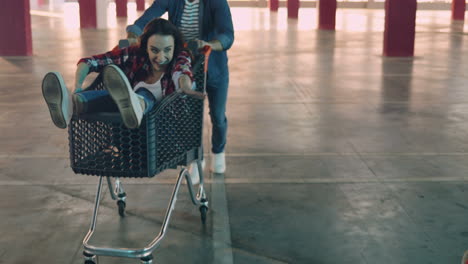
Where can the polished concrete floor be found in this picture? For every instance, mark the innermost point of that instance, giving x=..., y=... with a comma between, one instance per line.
x=335, y=154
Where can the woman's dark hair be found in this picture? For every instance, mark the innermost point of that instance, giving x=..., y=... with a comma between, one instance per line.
x=161, y=26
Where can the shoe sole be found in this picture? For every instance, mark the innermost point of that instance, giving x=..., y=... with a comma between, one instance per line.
x=118, y=88
x=53, y=91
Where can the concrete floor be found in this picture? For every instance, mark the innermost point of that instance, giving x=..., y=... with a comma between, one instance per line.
x=335, y=154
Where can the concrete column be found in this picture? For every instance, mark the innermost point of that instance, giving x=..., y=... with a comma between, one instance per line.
x=274, y=5
x=121, y=8
x=293, y=8
x=15, y=28
x=458, y=9
x=400, y=23
x=140, y=5
x=88, y=13
x=326, y=13
x=93, y=13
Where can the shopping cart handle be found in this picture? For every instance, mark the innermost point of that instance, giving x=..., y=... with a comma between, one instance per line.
x=192, y=45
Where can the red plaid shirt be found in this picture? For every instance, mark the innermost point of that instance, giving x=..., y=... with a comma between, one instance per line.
x=137, y=67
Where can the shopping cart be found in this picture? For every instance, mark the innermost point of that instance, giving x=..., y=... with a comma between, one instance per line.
x=169, y=136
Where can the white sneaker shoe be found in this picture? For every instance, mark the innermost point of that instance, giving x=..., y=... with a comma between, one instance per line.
x=57, y=98
x=193, y=171
x=122, y=93
x=218, y=162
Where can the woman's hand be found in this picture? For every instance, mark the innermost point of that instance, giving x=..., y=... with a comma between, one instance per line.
x=185, y=85
x=214, y=44
x=194, y=94
x=132, y=38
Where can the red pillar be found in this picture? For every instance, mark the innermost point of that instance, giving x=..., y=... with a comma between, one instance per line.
x=458, y=9
x=15, y=28
x=400, y=23
x=293, y=8
x=274, y=5
x=88, y=13
x=326, y=13
x=121, y=8
x=140, y=5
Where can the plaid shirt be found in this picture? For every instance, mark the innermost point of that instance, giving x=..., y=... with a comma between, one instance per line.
x=137, y=67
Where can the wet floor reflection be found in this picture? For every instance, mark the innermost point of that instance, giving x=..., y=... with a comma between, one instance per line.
x=397, y=75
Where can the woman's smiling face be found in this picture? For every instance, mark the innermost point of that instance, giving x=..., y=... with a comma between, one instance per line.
x=160, y=51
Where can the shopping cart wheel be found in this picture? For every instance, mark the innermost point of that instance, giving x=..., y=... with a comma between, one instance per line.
x=203, y=211
x=121, y=205
x=90, y=259
x=147, y=259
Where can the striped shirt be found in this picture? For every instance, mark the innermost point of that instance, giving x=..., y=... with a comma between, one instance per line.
x=189, y=22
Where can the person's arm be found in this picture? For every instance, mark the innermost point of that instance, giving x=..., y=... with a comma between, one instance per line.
x=96, y=63
x=223, y=27
x=182, y=76
x=157, y=9
x=81, y=72
x=185, y=84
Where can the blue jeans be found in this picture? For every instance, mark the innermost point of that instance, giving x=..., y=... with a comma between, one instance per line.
x=217, y=90
x=101, y=101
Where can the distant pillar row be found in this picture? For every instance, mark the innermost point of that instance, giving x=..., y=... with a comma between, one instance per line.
x=326, y=13
x=293, y=8
x=400, y=23
x=274, y=5
x=15, y=27
x=458, y=9
x=121, y=8
x=88, y=13
x=140, y=5
x=93, y=13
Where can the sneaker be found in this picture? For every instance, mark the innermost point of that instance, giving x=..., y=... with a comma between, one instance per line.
x=56, y=96
x=218, y=162
x=193, y=171
x=122, y=93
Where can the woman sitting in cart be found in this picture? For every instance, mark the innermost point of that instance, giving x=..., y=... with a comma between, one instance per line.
x=135, y=78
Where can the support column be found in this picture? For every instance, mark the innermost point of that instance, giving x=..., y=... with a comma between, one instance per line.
x=400, y=23
x=326, y=13
x=15, y=27
x=140, y=5
x=121, y=8
x=88, y=13
x=458, y=9
x=274, y=5
x=93, y=13
x=293, y=8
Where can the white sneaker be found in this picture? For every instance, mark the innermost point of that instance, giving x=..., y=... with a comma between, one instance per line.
x=122, y=93
x=56, y=96
x=193, y=171
x=218, y=162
